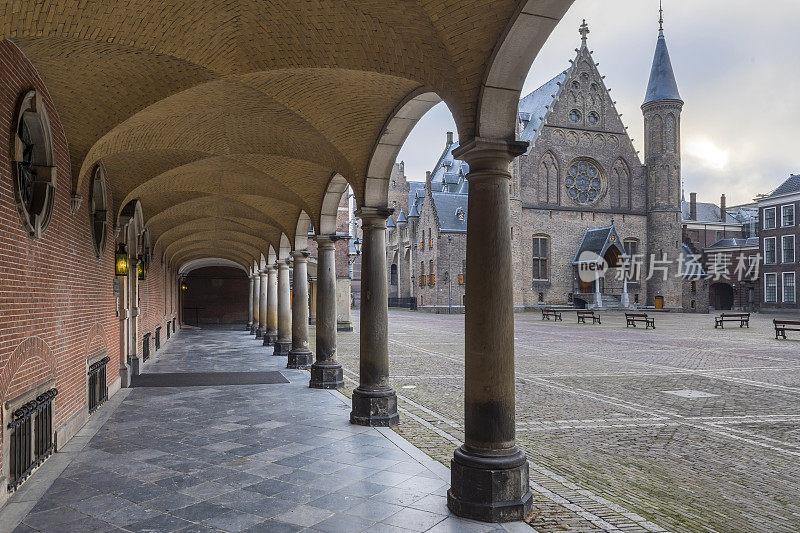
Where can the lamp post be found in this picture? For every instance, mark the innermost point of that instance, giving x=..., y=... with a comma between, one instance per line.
x=449, y=283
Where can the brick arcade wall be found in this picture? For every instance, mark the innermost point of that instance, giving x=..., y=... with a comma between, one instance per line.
x=221, y=291
x=57, y=306
x=157, y=300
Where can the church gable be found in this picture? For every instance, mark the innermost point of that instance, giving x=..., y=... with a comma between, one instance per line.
x=580, y=154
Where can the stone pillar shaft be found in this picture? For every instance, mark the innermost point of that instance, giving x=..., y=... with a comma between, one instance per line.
x=256, y=293
x=300, y=356
x=326, y=372
x=374, y=401
x=489, y=474
x=271, y=327
x=262, y=305
x=312, y=302
x=283, y=342
x=250, y=306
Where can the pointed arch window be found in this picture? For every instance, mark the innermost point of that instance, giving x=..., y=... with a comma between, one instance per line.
x=541, y=257
x=34, y=168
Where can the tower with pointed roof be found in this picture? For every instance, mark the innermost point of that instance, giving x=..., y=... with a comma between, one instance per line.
x=662, y=115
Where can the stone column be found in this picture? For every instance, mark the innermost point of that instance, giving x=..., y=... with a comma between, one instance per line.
x=312, y=302
x=374, y=401
x=300, y=356
x=250, y=307
x=489, y=474
x=254, y=297
x=262, y=304
x=284, y=340
x=625, y=300
x=133, y=284
x=271, y=331
x=598, y=296
x=326, y=372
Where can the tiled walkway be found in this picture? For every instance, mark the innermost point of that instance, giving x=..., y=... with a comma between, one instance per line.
x=276, y=457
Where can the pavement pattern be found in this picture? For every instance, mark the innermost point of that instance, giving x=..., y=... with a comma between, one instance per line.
x=681, y=428
x=258, y=457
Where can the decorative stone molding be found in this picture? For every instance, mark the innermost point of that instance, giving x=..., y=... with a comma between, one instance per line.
x=75, y=203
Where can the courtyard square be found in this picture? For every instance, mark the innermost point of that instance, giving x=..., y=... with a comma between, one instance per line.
x=681, y=428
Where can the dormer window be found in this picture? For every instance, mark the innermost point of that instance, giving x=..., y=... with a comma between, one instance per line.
x=460, y=215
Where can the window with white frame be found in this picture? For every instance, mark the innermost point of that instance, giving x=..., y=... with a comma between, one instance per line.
x=787, y=215
x=769, y=218
x=770, y=287
x=769, y=251
x=787, y=249
x=789, y=289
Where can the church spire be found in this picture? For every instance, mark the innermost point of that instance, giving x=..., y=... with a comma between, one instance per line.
x=662, y=85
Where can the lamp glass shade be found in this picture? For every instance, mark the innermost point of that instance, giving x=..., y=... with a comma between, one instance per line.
x=140, y=268
x=184, y=286
x=357, y=246
x=121, y=261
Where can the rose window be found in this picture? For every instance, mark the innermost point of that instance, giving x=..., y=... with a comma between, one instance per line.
x=583, y=182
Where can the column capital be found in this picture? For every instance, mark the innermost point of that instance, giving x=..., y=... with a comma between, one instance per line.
x=300, y=255
x=374, y=216
x=489, y=154
x=284, y=264
x=265, y=271
x=326, y=241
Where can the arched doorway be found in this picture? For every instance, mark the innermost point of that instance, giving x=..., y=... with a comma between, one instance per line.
x=721, y=296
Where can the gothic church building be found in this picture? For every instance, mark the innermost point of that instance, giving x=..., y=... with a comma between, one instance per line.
x=580, y=187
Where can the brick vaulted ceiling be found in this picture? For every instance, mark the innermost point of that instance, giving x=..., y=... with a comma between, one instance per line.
x=228, y=118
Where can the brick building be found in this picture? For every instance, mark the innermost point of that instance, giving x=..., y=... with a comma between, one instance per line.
x=579, y=173
x=779, y=242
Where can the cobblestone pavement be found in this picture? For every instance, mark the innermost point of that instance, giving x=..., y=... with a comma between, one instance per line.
x=270, y=457
x=684, y=427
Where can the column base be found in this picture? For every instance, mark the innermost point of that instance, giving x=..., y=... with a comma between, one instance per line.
x=489, y=488
x=374, y=407
x=344, y=326
x=249, y=326
x=252, y=329
x=282, y=348
x=259, y=332
x=300, y=359
x=124, y=377
x=136, y=365
x=269, y=339
x=312, y=321
x=326, y=376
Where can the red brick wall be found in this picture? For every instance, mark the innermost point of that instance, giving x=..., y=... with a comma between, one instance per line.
x=222, y=292
x=154, y=300
x=57, y=304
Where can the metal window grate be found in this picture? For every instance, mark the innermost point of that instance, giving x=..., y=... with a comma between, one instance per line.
x=98, y=388
x=158, y=338
x=146, y=347
x=31, y=437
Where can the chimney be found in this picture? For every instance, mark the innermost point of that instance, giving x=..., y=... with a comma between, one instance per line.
x=723, y=213
x=692, y=206
x=449, y=138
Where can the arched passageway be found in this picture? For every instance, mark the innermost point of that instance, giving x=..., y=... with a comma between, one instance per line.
x=215, y=295
x=721, y=296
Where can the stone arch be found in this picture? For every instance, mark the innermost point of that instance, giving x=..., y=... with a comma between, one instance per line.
x=301, y=234
x=24, y=355
x=330, y=205
x=194, y=264
x=394, y=133
x=524, y=36
x=96, y=341
x=285, y=247
x=548, y=179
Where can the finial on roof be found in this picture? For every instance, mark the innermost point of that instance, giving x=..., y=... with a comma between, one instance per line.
x=660, y=17
x=584, y=31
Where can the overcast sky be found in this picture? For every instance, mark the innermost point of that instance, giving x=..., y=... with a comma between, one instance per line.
x=738, y=72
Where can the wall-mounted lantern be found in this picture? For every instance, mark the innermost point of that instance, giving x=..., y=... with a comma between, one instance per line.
x=121, y=261
x=141, y=268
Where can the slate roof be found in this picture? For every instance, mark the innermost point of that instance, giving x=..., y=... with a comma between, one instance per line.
x=735, y=243
x=401, y=217
x=533, y=107
x=598, y=241
x=449, y=172
x=709, y=212
x=791, y=185
x=662, y=84
x=447, y=207
x=692, y=266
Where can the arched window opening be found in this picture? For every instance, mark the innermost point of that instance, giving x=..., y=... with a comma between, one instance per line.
x=34, y=170
x=98, y=211
x=393, y=274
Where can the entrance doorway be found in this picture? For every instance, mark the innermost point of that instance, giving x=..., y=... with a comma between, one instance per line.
x=721, y=296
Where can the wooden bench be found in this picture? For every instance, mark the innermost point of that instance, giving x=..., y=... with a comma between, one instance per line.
x=782, y=326
x=583, y=314
x=742, y=318
x=547, y=314
x=632, y=318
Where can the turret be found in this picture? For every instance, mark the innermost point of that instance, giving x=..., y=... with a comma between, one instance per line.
x=662, y=113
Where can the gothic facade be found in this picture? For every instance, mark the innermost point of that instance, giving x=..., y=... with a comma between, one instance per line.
x=580, y=173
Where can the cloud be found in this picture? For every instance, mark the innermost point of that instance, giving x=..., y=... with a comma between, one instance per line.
x=737, y=73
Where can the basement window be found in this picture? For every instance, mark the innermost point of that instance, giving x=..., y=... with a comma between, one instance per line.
x=29, y=438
